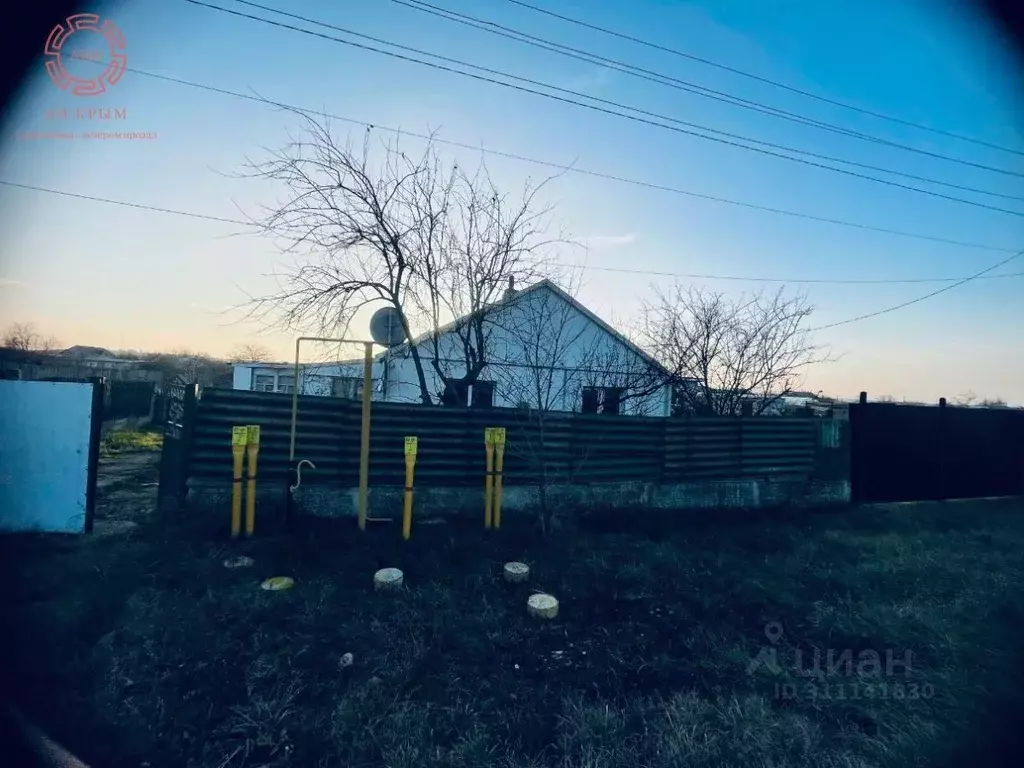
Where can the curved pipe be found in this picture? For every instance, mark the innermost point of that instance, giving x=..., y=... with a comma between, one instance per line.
x=298, y=473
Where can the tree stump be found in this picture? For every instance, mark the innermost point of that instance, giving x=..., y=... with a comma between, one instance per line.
x=542, y=606
x=388, y=580
x=516, y=572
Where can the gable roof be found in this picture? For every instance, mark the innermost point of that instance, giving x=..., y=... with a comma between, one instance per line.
x=507, y=301
x=80, y=350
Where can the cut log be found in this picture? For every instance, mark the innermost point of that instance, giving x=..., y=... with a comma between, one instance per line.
x=278, y=583
x=542, y=606
x=516, y=572
x=388, y=580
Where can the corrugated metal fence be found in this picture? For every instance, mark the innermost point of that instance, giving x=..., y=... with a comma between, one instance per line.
x=579, y=448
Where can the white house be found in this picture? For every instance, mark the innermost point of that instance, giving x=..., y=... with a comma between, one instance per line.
x=543, y=349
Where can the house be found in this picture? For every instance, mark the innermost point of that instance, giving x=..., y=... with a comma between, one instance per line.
x=543, y=350
x=93, y=357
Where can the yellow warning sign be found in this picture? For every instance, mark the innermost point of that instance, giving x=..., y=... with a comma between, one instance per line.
x=239, y=436
x=410, y=446
x=254, y=434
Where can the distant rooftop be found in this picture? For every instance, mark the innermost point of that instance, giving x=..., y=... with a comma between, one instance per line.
x=86, y=352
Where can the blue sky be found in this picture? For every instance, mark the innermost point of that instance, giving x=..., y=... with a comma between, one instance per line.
x=93, y=273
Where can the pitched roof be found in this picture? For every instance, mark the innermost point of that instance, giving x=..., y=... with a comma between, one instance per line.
x=80, y=350
x=517, y=296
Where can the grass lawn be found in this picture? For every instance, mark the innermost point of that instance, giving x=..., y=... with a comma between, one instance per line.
x=144, y=647
x=131, y=440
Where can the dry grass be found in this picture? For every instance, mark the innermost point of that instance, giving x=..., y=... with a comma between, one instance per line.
x=131, y=441
x=146, y=648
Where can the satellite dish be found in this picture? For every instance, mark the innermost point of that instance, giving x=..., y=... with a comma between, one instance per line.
x=386, y=327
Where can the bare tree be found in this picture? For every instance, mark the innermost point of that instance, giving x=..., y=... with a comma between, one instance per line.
x=726, y=355
x=552, y=356
x=250, y=353
x=490, y=242
x=24, y=337
x=993, y=403
x=431, y=241
x=967, y=399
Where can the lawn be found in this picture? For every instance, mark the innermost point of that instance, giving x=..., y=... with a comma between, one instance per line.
x=131, y=441
x=145, y=648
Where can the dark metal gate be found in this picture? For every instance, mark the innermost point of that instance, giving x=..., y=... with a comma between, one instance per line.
x=178, y=427
x=920, y=453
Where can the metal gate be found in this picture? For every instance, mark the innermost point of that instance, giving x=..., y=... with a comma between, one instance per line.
x=180, y=403
x=920, y=453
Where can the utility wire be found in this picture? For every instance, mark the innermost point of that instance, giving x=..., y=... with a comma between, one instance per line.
x=682, y=85
x=191, y=214
x=766, y=80
x=572, y=168
x=125, y=203
x=851, y=281
x=635, y=118
x=919, y=299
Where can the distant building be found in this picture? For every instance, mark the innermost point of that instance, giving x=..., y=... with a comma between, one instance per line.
x=505, y=381
x=93, y=357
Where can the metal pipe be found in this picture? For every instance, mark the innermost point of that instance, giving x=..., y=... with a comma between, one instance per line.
x=364, y=447
x=295, y=403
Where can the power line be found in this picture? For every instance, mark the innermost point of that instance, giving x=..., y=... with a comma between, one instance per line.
x=766, y=80
x=618, y=65
x=577, y=170
x=657, y=116
x=850, y=282
x=919, y=299
x=635, y=118
x=224, y=220
x=124, y=203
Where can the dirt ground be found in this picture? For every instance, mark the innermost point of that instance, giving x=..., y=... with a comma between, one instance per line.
x=140, y=647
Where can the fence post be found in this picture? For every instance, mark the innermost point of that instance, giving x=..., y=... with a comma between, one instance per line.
x=95, y=433
x=188, y=423
x=940, y=445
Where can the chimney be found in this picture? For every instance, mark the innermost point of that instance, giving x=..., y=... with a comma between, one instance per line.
x=511, y=290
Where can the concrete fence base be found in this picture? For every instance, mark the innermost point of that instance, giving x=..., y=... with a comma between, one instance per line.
x=386, y=501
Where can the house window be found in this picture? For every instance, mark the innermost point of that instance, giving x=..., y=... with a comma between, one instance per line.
x=456, y=393
x=286, y=384
x=602, y=400
x=479, y=394
x=612, y=402
x=263, y=382
x=349, y=387
x=483, y=394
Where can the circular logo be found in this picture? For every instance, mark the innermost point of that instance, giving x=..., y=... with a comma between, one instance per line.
x=56, y=50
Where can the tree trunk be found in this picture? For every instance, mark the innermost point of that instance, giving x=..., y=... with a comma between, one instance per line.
x=421, y=376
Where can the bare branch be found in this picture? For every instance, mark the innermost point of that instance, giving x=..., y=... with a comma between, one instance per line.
x=729, y=356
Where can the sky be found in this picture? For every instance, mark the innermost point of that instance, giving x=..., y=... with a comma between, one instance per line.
x=110, y=275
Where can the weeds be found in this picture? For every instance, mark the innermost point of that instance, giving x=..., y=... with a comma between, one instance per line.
x=131, y=441
x=176, y=660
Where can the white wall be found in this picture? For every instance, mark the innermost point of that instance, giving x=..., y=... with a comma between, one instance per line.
x=241, y=377
x=537, y=331
x=540, y=331
x=45, y=429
